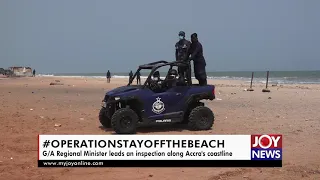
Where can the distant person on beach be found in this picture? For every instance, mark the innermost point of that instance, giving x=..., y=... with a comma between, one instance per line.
x=108, y=76
x=199, y=62
x=34, y=73
x=130, y=75
x=138, y=78
x=182, y=48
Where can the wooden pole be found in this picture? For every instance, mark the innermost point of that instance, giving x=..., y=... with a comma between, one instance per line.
x=251, y=89
x=267, y=79
x=266, y=89
x=251, y=79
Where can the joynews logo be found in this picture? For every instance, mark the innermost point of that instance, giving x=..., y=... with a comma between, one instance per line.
x=266, y=147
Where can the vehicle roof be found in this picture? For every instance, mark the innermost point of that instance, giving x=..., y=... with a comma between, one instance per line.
x=162, y=63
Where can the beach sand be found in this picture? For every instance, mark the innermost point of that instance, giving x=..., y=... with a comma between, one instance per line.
x=30, y=106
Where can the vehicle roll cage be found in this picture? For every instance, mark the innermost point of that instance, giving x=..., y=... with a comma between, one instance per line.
x=158, y=64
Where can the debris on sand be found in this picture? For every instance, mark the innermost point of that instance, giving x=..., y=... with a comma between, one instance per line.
x=41, y=117
x=269, y=97
x=233, y=93
x=218, y=99
x=57, y=125
x=31, y=109
x=56, y=83
x=265, y=90
x=57, y=80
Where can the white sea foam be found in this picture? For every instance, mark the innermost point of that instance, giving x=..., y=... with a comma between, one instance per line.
x=45, y=75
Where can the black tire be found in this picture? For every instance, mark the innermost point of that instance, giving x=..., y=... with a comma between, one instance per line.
x=124, y=121
x=103, y=118
x=190, y=108
x=201, y=118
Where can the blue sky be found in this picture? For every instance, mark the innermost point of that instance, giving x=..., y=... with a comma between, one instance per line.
x=96, y=35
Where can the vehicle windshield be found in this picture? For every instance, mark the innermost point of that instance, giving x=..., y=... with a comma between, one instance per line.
x=160, y=74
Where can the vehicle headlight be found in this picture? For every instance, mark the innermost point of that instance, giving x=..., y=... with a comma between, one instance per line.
x=104, y=104
x=116, y=98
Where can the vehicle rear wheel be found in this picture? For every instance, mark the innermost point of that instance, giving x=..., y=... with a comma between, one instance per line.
x=190, y=108
x=201, y=118
x=103, y=118
x=124, y=121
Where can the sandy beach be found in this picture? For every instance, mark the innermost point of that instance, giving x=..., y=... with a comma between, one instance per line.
x=30, y=106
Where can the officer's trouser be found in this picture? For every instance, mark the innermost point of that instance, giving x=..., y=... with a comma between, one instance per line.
x=182, y=72
x=200, y=73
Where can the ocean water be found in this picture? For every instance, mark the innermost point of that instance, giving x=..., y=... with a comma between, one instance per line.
x=275, y=77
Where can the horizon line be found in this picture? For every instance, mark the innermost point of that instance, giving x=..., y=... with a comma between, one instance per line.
x=207, y=71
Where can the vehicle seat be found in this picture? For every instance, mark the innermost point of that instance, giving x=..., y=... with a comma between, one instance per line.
x=156, y=76
x=172, y=78
x=155, y=82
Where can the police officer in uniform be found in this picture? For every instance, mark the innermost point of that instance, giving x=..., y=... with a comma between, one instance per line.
x=199, y=62
x=182, y=48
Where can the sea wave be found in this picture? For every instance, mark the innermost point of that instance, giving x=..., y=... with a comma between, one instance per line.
x=45, y=75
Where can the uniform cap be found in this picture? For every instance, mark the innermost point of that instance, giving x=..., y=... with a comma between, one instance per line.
x=182, y=33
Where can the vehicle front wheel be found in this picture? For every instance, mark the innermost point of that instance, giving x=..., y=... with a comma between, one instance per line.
x=124, y=121
x=201, y=118
x=103, y=118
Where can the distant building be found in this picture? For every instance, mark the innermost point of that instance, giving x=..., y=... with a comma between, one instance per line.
x=21, y=71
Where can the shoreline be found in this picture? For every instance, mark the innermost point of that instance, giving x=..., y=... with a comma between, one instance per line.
x=275, y=77
x=258, y=80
